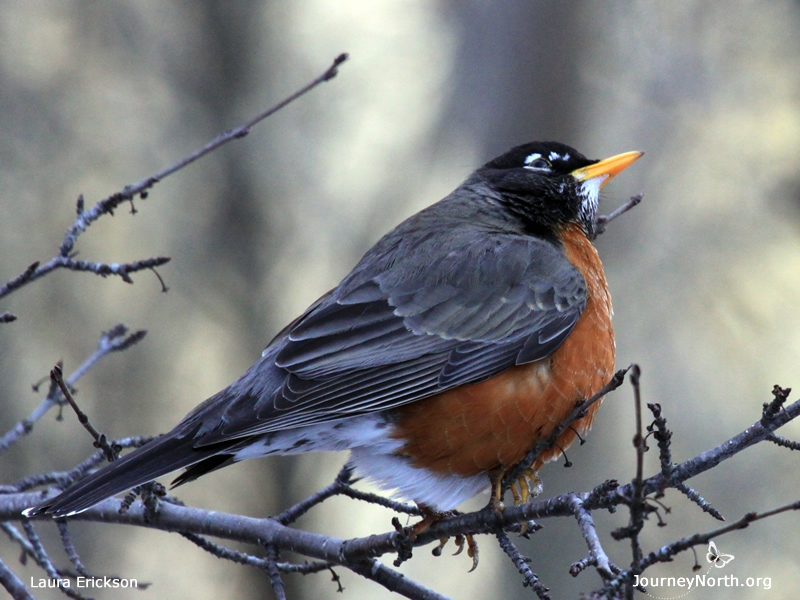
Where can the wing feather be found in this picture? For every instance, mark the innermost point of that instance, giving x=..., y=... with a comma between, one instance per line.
x=404, y=327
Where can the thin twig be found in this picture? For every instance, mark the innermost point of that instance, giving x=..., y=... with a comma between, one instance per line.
x=107, y=206
x=599, y=558
x=114, y=340
x=692, y=495
x=663, y=436
x=13, y=584
x=39, y=552
x=121, y=270
x=783, y=442
x=43, y=560
x=754, y=434
x=666, y=553
x=602, y=221
x=15, y=536
x=639, y=443
x=401, y=507
x=529, y=578
x=341, y=487
x=69, y=547
x=394, y=581
x=290, y=515
x=243, y=558
x=62, y=479
x=100, y=439
x=274, y=573
x=238, y=132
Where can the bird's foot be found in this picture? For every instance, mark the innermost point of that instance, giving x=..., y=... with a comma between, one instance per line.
x=429, y=517
x=527, y=486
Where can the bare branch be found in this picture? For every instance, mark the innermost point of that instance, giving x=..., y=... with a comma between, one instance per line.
x=13, y=584
x=62, y=479
x=38, y=551
x=692, y=495
x=100, y=440
x=122, y=270
x=253, y=561
x=783, y=442
x=666, y=553
x=597, y=555
x=43, y=560
x=529, y=578
x=237, y=132
x=107, y=206
x=292, y=514
x=637, y=505
x=25, y=277
x=114, y=340
x=754, y=434
x=69, y=547
x=274, y=573
x=394, y=581
x=602, y=221
x=358, y=554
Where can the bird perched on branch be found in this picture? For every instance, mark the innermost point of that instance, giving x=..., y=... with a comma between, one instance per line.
x=460, y=340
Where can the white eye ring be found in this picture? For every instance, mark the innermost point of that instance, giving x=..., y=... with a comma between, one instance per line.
x=539, y=163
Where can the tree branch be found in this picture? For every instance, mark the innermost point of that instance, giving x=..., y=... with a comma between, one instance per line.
x=114, y=340
x=358, y=554
x=13, y=584
x=64, y=260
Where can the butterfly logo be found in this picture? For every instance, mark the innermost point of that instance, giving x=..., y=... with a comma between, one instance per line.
x=717, y=558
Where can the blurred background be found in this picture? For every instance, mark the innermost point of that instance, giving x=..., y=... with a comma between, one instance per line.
x=705, y=273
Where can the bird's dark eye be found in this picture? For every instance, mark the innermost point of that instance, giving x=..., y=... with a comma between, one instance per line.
x=539, y=163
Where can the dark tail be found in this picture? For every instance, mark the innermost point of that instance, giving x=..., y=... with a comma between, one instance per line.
x=162, y=455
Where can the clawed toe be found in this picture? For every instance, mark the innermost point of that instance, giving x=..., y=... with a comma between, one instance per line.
x=429, y=517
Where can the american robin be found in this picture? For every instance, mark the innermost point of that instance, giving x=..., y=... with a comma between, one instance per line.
x=459, y=340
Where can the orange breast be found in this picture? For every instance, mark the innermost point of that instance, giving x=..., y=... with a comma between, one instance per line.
x=483, y=426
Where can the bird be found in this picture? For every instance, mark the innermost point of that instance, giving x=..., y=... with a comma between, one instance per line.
x=462, y=338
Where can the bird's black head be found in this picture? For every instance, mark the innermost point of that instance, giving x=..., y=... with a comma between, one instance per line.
x=547, y=185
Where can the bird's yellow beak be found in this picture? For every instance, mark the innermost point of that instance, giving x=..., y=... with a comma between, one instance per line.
x=608, y=167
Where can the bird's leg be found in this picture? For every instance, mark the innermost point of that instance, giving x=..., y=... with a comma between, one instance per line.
x=429, y=517
x=529, y=486
x=496, y=499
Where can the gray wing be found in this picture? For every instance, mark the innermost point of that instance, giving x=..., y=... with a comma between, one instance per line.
x=400, y=329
